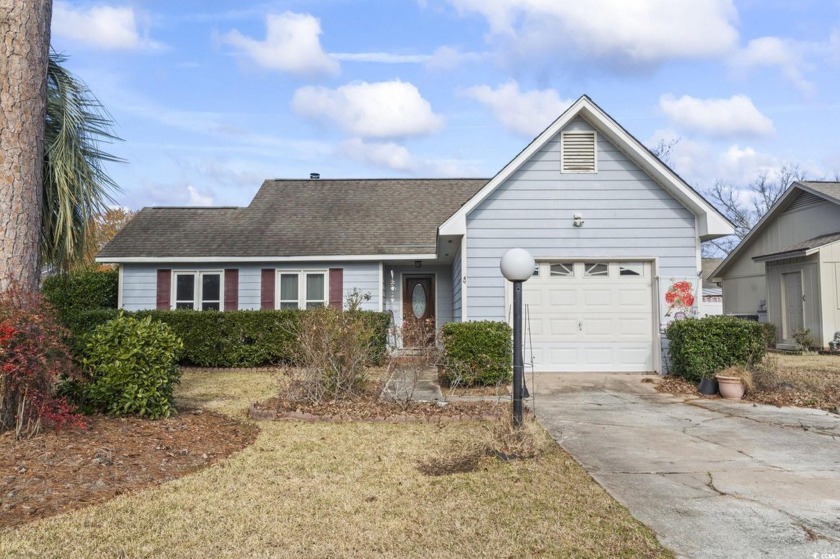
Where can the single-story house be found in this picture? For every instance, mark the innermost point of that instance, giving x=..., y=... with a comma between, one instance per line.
x=616, y=235
x=788, y=266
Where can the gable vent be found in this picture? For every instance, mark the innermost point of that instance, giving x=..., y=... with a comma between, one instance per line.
x=802, y=200
x=578, y=152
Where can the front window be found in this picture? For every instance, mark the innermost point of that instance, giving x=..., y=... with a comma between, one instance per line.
x=198, y=291
x=302, y=290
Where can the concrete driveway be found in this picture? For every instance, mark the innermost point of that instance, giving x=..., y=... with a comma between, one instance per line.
x=711, y=478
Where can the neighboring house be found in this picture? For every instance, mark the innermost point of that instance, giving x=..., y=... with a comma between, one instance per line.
x=712, y=302
x=615, y=232
x=789, y=264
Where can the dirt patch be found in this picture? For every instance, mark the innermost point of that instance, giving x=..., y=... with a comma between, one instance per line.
x=64, y=470
x=676, y=385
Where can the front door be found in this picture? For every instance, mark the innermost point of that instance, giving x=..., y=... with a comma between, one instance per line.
x=792, y=289
x=418, y=311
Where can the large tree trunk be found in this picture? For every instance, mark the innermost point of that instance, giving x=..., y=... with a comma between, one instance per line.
x=24, y=52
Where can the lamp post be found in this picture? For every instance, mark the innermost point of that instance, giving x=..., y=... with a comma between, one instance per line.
x=517, y=265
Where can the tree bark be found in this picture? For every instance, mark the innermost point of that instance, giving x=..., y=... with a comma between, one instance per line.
x=24, y=53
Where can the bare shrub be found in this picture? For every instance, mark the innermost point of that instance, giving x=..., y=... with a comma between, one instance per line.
x=409, y=364
x=333, y=350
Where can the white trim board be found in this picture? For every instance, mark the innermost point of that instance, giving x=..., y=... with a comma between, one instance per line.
x=217, y=259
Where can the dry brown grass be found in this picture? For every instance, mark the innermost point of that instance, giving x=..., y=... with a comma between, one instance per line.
x=347, y=490
x=809, y=380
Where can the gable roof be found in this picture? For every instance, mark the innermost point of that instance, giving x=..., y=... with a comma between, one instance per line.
x=711, y=223
x=299, y=220
x=804, y=248
x=827, y=190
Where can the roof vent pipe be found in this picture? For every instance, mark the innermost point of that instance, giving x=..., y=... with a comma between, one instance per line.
x=314, y=176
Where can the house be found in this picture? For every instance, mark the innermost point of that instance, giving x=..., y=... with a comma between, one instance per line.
x=712, y=301
x=615, y=232
x=788, y=266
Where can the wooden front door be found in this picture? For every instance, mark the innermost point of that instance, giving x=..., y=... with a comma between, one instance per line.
x=418, y=311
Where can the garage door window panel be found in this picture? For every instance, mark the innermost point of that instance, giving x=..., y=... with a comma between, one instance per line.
x=596, y=270
x=631, y=269
x=563, y=270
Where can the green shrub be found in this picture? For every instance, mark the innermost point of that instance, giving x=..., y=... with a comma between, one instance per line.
x=228, y=339
x=477, y=353
x=699, y=348
x=131, y=367
x=81, y=291
x=769, y=334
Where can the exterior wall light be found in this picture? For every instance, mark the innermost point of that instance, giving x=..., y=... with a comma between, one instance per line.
x=578, y=220
x=517, y=265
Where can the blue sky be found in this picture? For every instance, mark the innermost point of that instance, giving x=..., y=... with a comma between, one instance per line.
x=212, y=98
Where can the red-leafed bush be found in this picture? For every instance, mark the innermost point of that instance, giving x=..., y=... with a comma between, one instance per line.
x=33, y=358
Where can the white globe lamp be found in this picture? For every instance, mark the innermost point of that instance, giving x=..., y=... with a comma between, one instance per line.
x=517, y=264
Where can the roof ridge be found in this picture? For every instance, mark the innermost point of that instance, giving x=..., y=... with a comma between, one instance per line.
x=322, y=179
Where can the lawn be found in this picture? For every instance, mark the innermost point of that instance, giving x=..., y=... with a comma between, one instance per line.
x=809, y=380
x=317, y=489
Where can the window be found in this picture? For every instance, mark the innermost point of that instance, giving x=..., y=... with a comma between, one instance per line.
x=578, y=152
x=302, y=290
x=536, y=273
x=198, y=291
x=595, y=269
x=563, y=269
x=631, y=269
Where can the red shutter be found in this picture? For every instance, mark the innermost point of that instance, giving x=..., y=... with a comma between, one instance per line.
x=267, y=294
x=164, y=289
x=232, y=290
x=337, y=287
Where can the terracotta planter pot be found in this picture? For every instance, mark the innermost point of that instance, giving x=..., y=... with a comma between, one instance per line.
x=731, y=388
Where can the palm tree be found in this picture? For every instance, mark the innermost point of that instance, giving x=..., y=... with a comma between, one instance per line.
x=76, y=188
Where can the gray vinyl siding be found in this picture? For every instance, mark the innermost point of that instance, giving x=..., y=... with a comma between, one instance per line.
x=443, y=290
x=456, y=287
x=625, y=213
x=744, y=282
x=140, y=281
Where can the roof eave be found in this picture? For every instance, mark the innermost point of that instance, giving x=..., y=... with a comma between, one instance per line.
x=226, y=259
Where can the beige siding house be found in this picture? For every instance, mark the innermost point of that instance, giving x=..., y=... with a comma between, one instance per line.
x=788, y=268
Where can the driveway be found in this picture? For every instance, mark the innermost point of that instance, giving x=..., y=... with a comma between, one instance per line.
x=711, y=478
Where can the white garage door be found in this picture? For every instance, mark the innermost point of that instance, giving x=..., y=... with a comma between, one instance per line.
x=590, y=316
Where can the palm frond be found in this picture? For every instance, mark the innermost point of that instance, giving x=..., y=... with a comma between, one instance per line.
x=76, y=186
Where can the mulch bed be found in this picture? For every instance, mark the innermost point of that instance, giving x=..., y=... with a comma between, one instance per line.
x=369, y=409
x=59, y=471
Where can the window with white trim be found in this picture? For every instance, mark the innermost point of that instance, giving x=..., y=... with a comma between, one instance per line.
x=595, y=269
x=631, y=269
x=303, y=289
x=198, y=290
x=578, y=151
x=563, y=269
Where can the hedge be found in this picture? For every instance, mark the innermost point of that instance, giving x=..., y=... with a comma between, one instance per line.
x=81, y=291
x=477, y=353
x=226, y=339
x=700, y=348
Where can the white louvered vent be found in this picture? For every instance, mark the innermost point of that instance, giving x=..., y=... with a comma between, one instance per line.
x=578, y=152
x=803, y=199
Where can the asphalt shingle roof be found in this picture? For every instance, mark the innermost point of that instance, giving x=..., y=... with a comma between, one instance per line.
x=303, y=218
x=827, y=188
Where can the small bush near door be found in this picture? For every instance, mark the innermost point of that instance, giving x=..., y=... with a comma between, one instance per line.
x=699, y=348
x=477, y=353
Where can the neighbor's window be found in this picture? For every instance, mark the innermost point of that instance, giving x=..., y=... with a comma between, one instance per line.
x=563, y=269
x=631, y=269
x=595, y=269
x=302, y=290
x=198, y=290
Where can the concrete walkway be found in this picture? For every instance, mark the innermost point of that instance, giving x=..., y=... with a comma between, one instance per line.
x=711, y=478
x=413, y=383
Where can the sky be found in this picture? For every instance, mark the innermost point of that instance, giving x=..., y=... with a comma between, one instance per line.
x=211, y=98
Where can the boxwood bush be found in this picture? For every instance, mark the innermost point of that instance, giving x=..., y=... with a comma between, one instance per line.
x=699, y=348
x=80, y=291
x=477, y=353
x=131, y=367
x=227, y=339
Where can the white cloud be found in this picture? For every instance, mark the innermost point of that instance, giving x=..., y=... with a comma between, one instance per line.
x=104, y=27
x=291, y=45
x=772, y=52
x=381, y=57
x=387, y=154
x=718, y=118
x=196, y=198
x=527, y=113
x=389, y=109
x=638, y=32
x=448, y=58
